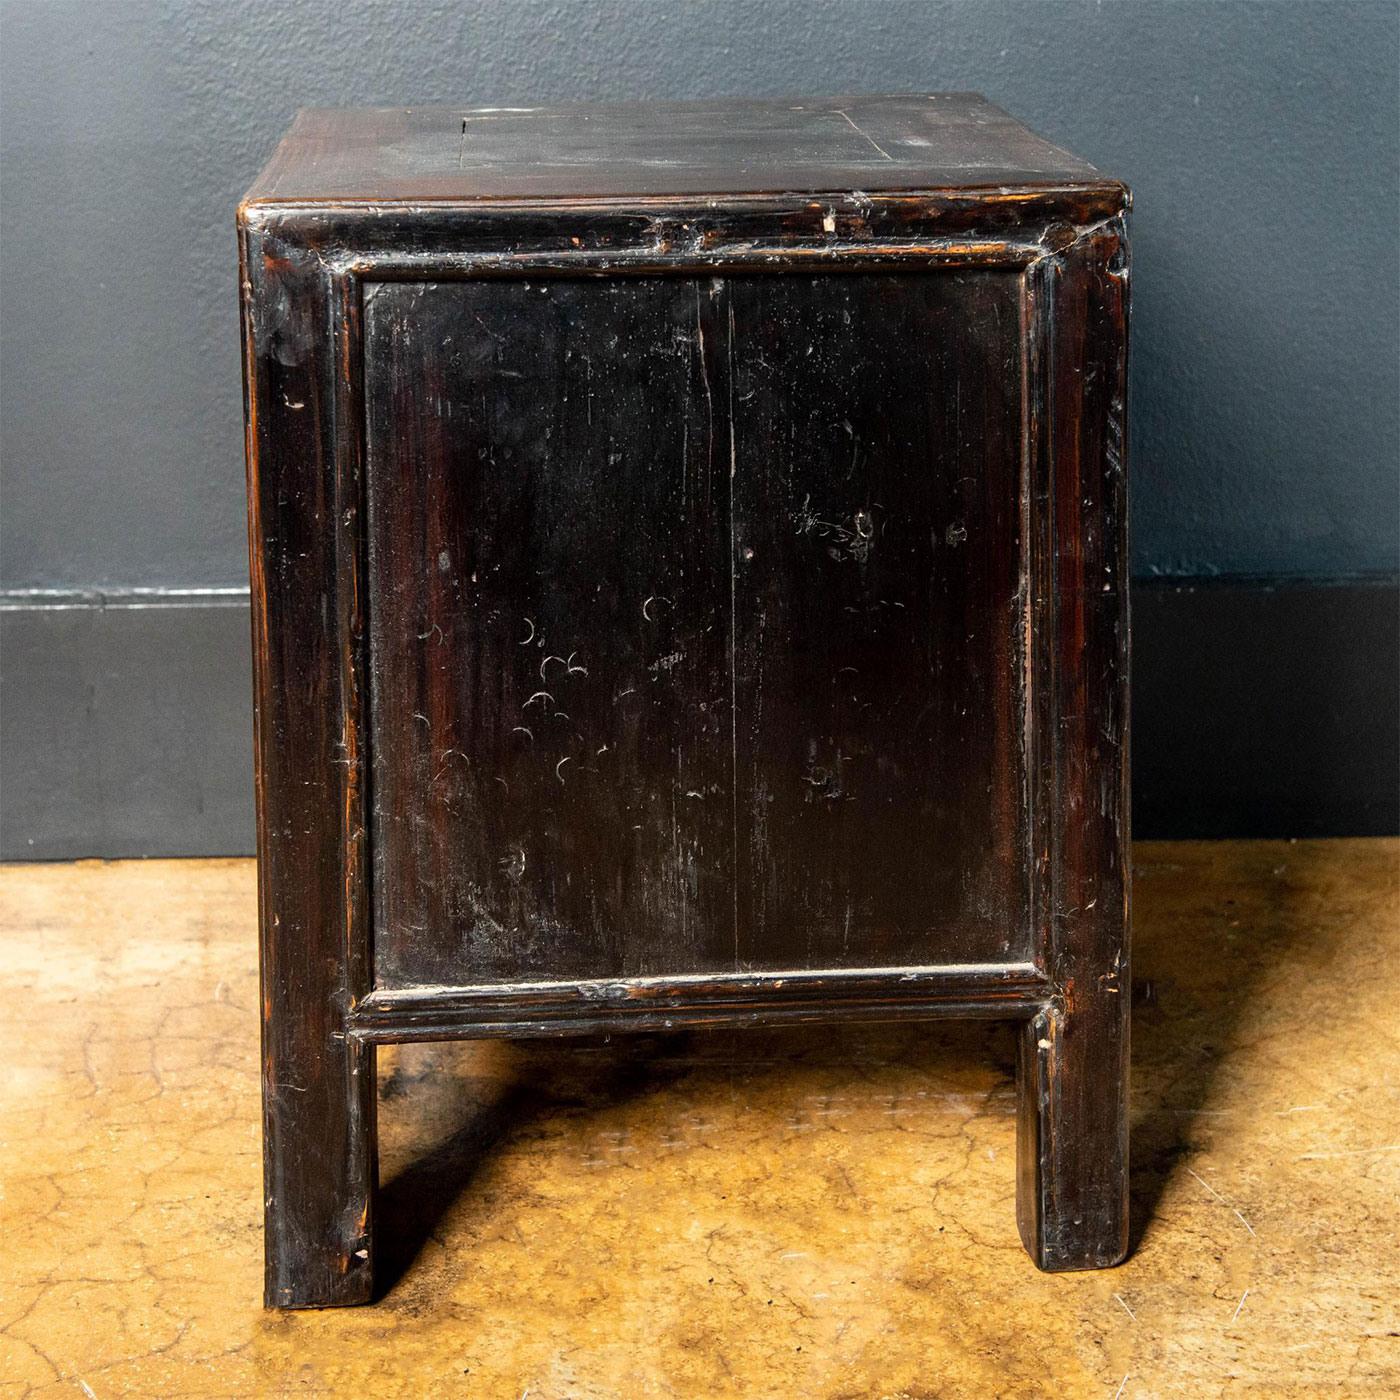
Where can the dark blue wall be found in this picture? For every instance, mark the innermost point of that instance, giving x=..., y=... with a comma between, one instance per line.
x=1262, y=142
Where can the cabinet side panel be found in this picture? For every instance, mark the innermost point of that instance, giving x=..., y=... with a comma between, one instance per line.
x=548, y=490
x=879, y=619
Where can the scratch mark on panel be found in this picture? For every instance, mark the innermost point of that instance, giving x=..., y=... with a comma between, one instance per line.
x=705, y=380
x=865, y=134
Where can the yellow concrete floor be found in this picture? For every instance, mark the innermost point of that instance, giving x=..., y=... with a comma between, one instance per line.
x=814, y=1214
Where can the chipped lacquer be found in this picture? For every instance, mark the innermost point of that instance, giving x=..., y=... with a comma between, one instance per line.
x=689, y=574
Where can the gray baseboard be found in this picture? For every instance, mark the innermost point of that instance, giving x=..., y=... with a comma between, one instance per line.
x=1259, y=709
x=125, y=725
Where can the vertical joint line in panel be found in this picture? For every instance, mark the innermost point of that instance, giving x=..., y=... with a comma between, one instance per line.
x=1041, y=759
x=356, y=302
x=1050, y=644
x=339, y=290
x=1028, y=561
x=728, y=301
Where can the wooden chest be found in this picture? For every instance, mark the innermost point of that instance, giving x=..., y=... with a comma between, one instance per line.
x=689, y=587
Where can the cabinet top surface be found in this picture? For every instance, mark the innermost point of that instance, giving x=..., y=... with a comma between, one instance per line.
x=725, y=148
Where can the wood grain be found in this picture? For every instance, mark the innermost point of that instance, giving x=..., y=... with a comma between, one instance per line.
x=611, y=151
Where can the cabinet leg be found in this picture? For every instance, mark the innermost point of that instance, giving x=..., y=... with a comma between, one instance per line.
x=320, y=1167
x=1072, y=1137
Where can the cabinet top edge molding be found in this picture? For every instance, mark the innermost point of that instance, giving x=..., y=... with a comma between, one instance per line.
x=949, y=143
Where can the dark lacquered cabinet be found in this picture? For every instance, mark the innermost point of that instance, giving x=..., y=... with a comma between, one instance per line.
x=689, y=589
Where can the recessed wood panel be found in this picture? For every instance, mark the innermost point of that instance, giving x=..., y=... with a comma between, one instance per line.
x=697, y=628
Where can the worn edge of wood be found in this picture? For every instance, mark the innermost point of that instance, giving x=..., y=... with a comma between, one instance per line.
x=1015, y=226
x=318, y=1085
x=999, y=990
x=1072, y=1068
x=1102, y=197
